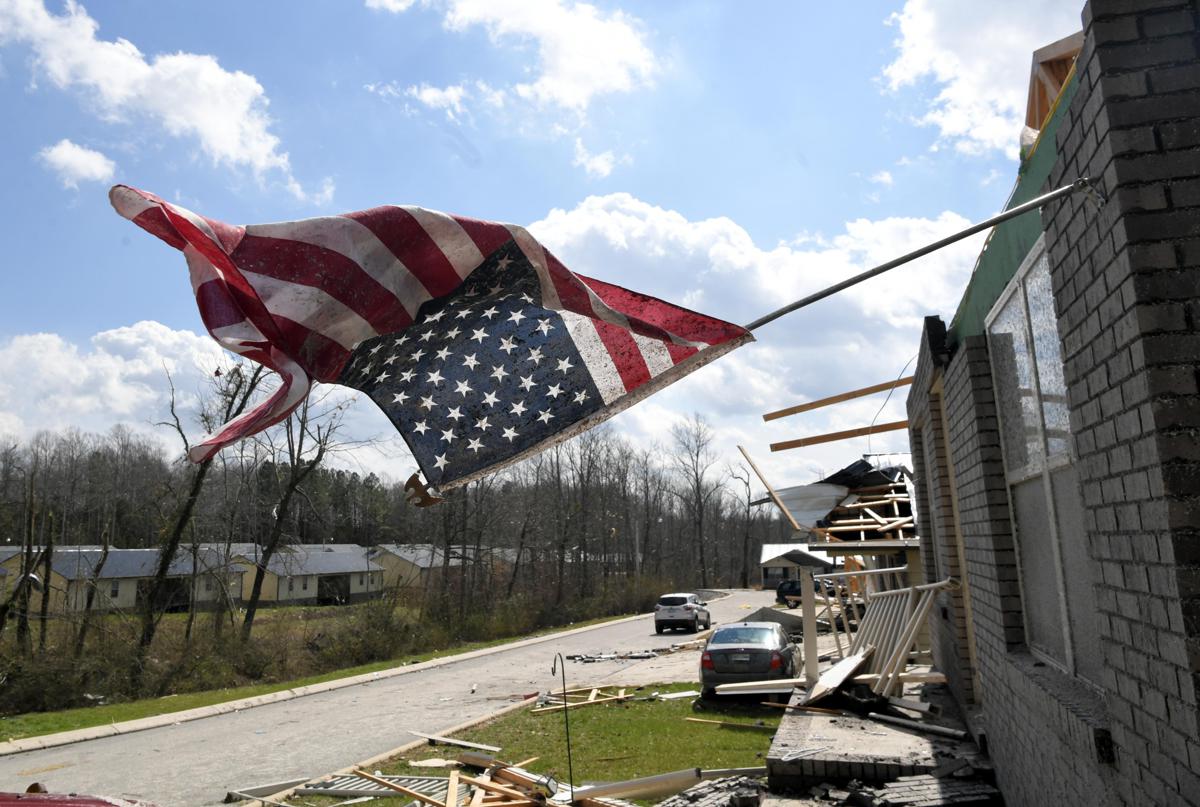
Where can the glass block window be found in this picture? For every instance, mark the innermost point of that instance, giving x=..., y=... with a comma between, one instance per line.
x=1056, y=572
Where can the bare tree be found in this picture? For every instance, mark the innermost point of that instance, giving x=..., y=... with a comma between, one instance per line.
x=233, y=393
x=307, y=436
x=692, y=460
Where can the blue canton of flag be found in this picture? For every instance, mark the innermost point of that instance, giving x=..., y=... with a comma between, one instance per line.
x=482, y=376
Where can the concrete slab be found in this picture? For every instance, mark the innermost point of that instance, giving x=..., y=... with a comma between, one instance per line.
x=812, y=748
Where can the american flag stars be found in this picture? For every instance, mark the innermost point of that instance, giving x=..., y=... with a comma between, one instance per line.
x=487, y=374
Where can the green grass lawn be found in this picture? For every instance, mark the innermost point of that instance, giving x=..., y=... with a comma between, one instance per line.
x=34, y=724
x=611, y=742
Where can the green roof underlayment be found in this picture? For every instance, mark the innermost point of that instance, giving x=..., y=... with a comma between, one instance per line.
x=1011, y=241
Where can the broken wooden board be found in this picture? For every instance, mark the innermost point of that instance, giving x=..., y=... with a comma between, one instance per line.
x=595, y=695
x=904, y=678
x=776, y=684
x=412, y=794
x=837, y=675
x=433, y=738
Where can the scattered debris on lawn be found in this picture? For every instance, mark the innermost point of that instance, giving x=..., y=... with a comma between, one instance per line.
x=574, y=698
x=434, y=762
x=672, y=696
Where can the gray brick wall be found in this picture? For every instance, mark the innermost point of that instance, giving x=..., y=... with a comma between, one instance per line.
x=948, y=631
x=1126, y=281
x=1127, y=292
x=1045, y=731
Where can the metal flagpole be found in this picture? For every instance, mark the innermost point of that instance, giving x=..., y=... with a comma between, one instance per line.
x=1081, y=184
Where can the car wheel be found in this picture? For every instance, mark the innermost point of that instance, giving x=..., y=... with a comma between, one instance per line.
x=695, y=624
x=658, y=629
x=708, y=693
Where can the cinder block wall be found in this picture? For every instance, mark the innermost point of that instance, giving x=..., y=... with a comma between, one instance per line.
x=1127, y=291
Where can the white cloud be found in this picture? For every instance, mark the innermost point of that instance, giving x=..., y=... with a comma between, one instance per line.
x=448, y=99
x=882, y=178
x=394, y=6
x=978, y=55
x=47, y=382
x=596, y=165
x=581, y=51
x=187, y=94
x=74, y=163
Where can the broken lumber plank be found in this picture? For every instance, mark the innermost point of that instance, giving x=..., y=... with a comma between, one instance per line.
x=904, y=678
x=433, y=738
x=492, y=787
x=915, y=725
x=524, y=762
x=771, y=491
x=836, y=675
x=725, y=724
x=477, y=796
x=412, y=794
x=832, y=437
x=751, y=686
x=558, y=707
x=452, y=790
x=842, y=396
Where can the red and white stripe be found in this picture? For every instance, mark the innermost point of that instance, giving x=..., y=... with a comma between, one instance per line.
x=298, y=296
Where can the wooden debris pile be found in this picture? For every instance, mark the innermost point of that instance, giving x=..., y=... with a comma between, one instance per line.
x=875, y=513
x=575, y=698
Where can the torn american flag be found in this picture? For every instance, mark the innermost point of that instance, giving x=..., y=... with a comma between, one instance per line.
x=474, y=340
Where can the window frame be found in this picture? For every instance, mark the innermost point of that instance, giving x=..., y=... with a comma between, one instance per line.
x=1045, y=468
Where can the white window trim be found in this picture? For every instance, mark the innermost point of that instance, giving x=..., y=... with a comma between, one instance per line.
x=1048, y=464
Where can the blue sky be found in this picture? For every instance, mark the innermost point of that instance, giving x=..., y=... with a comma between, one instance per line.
x=727, y=156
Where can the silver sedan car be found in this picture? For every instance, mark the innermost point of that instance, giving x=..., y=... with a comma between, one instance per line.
x=747, y=651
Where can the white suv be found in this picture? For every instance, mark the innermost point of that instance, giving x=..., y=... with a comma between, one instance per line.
x=681, y=611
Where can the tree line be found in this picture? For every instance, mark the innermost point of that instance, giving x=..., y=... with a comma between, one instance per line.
x=594, y=522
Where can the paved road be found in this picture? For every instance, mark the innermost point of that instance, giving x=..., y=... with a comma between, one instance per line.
x=196, y=763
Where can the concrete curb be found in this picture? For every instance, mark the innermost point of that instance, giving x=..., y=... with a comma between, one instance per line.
x=171, y=718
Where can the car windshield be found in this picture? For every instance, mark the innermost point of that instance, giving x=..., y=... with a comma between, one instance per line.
x=736, y=635
x=672, y=600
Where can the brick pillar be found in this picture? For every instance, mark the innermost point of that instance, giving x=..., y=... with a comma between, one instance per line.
x=1126, y=282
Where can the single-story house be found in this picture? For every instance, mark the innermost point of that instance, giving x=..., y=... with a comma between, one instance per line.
x=123, y=582
x=411, y=565
x=780, y=562
x=313, y=574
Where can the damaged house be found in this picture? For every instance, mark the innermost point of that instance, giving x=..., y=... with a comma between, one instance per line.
x=1054, y=425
